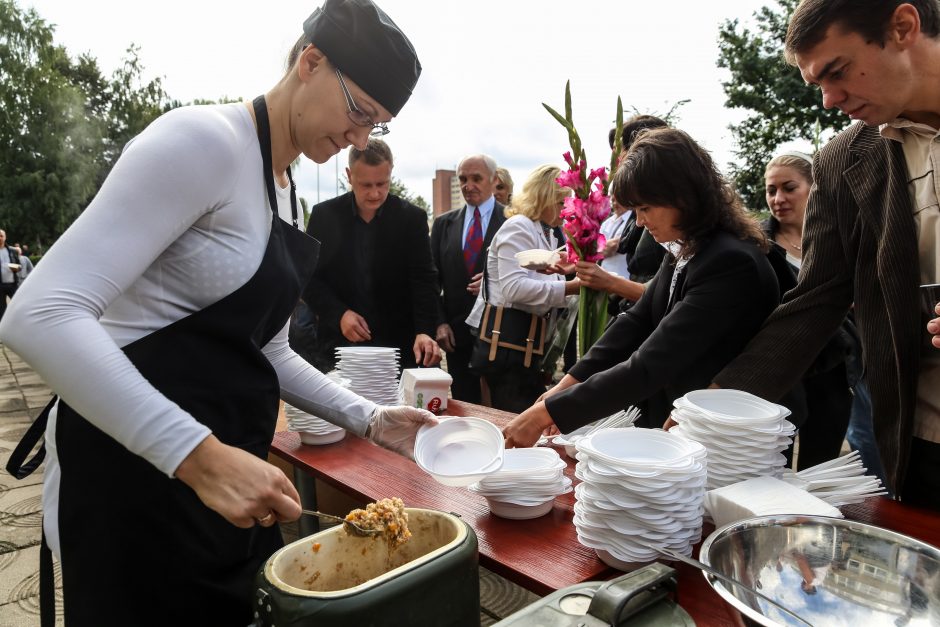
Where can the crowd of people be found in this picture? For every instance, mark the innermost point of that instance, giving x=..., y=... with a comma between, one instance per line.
x=178, y=327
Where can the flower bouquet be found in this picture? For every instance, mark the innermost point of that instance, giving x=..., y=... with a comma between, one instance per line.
x=583, y=213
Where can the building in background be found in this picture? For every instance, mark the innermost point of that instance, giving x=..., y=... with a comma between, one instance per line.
x=445, y=192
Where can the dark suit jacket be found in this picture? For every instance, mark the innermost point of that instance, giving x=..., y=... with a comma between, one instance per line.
x=403, y=276
x=860, y=246
x=447, y=251
x=653, y=353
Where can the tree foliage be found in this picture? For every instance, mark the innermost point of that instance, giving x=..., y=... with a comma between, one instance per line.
x=62, y=125
x=783, y=108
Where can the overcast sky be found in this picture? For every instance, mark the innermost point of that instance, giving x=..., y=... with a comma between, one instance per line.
x=488, y=66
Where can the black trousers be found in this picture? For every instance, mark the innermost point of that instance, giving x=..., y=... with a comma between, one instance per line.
x=515, y=390
x=922, y=484
x=6, y=289
x=466, y=385
x=828, y=408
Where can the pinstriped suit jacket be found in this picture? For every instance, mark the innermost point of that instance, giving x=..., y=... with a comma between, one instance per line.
x=859, y=245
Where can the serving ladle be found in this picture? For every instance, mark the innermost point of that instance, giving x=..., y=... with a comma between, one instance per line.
x=349, y=527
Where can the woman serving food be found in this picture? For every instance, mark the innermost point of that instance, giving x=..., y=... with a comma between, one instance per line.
x=716, y=277
x=167, y=345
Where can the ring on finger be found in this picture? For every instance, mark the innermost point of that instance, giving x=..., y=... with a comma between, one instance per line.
x=266, y=519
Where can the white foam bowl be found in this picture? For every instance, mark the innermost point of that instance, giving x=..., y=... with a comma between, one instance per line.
x=537, y=259
x=735, y=404
x=459, y=451
x=513, y=511
x=316, y=439
x=641, y=449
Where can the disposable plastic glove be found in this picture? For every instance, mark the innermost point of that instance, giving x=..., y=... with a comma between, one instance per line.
x=395, y=427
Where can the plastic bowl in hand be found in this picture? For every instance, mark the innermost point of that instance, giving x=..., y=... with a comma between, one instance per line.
x=459, y=451
x=537, y=259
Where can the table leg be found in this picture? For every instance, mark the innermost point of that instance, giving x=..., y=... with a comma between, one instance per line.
x=307, y=489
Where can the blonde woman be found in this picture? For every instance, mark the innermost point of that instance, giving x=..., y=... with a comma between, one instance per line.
x=530, y=218
x=503, y=189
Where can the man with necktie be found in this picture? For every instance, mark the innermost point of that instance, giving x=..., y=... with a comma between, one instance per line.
x=459, y=239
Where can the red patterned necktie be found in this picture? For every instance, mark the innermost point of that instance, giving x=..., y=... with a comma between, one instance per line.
x=474, y=242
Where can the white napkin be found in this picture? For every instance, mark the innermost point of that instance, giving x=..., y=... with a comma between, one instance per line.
x=763, y=496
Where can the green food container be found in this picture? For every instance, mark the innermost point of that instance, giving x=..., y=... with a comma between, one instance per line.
x=639, y=599
x=331, y=578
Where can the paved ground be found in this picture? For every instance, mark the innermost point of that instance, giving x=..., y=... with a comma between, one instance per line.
x=22, y=397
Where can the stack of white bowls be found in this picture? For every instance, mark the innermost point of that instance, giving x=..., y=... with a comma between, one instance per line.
x=527, y=484
x=459, y=451
x=315, y=430
x=642, y=489
x=744, y=434
x=372, y=372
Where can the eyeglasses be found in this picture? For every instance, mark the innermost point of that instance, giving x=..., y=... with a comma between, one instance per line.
x=358, y=117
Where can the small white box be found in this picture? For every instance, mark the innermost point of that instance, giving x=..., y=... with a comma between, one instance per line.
x=426, y=388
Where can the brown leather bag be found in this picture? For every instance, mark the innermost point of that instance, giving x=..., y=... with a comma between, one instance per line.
x=508, y=337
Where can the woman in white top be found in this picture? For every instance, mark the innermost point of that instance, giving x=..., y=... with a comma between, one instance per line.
x=531, y=216
x=160, y=320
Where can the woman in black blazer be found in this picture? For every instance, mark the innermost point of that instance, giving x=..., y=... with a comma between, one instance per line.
x=716, y=277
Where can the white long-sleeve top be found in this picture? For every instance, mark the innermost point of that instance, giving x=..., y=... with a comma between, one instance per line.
x=511, y=285
x=182, y=221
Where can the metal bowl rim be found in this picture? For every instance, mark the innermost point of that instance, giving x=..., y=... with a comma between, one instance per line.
x=783, y=520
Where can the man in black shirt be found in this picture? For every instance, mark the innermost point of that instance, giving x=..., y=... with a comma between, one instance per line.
x=375, y=283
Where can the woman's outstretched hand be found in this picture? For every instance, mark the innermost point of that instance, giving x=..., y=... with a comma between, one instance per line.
x=525, y=429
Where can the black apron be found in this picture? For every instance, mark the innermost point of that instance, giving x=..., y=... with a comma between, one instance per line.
x=137, y=547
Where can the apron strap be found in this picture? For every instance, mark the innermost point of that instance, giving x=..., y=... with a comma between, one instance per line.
x=17, y=464
x=46, y=585
x=264, y=141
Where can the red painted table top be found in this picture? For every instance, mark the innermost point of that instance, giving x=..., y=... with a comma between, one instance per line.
x=542, y=555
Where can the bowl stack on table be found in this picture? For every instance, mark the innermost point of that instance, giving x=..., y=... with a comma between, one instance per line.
x=527, y=484
x=313, y=430
x=744, y=434
x=372, y=372
x=641, y=489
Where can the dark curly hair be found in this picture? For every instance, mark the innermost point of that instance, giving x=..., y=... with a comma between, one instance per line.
x=667, y=168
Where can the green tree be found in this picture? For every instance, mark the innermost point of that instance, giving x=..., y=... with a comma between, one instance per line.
x=783, y=108
x=49, y=147
x=62, y=125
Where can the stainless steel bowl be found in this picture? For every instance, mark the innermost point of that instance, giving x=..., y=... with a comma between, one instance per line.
x=826, y=570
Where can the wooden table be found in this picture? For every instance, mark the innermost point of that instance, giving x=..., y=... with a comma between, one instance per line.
x=542, y=555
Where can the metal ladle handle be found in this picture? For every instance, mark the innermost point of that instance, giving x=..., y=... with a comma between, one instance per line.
x=711, y=571
x=346, y=524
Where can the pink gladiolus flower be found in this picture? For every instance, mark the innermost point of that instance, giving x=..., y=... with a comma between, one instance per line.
x=570, y=179
x=568, y=159
x=598, y=173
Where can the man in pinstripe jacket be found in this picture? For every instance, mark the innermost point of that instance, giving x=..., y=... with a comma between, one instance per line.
x=872, y=227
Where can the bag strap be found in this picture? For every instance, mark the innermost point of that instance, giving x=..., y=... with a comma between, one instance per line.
x=494, y=334
x=530, y=341
x=17, y=464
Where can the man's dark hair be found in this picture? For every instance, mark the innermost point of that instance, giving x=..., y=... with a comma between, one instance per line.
x=633, y=126
x=869, y=18
x=376, y=153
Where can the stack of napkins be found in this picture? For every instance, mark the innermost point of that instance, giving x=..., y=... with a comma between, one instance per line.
x=763, y=496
